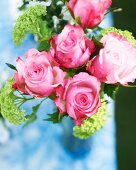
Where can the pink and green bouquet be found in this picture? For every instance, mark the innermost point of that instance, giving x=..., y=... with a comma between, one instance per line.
x=77, y=64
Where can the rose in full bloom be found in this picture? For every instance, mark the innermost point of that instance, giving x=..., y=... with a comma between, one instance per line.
x=72, y=48
x=37, y=75
x=116, y=62
x=89, y=12
x=79, y=97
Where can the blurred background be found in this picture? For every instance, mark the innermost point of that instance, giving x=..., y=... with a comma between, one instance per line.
x=126, y=98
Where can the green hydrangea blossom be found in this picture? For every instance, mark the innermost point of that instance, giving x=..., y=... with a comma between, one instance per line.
x=29, y=22
x=8, y=108
x=128, y=35
x=91, y=125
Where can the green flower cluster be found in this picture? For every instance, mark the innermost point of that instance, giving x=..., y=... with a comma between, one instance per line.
x=128, y=35
x=8, y=108
x=29, y=22
x=91, y=125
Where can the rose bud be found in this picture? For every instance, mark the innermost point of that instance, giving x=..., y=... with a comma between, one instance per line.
x=89, y=13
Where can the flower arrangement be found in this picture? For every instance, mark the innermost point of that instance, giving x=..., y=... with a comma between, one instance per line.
x=76, y=64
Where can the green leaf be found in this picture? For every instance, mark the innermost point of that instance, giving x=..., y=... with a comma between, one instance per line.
x=97, y=42
x=78, y=20
x=44, y=46
x=111, y=90
x=55, y=117
x=70, y=72
x=98, y=45
x=11, y=66
x=23, y=6
x=33, y=116
x=45, y=31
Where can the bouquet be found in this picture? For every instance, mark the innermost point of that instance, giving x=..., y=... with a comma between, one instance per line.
x=76, y=64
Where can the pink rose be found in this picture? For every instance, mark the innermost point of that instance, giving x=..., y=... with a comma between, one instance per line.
x=72, y=48
x=37, y=76
x=116, y=62
x=79, y=97
x=90, y=12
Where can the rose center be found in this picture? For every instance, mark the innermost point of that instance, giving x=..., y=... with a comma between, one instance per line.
x=34, y=72
x=117, y=60
x=69, y=42
x=82, y=99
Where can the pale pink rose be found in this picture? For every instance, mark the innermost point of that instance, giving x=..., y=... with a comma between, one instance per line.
x=116, y=62
x=90, y=12
x=72, y=48
x=79, y=97
x=37, y=75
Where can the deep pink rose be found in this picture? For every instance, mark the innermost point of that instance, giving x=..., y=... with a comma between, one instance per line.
x=79, y=97
x=37, y=76
x=116, y=62
x=72, y=48
x=90, y=12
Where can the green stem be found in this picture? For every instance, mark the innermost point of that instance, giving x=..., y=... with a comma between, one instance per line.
x=24, y=100
x=44, y=100
x=130, y=86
